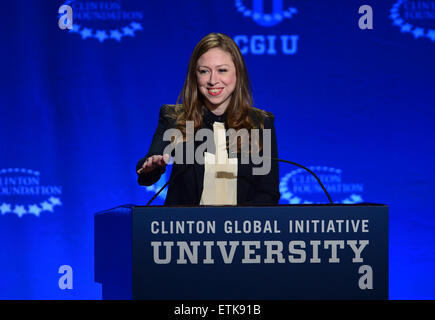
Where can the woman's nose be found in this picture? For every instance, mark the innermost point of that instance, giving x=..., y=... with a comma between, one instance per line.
x=213, y=80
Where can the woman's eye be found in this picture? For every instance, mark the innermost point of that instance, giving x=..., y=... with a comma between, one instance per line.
x=202, y=71
x=222, y=70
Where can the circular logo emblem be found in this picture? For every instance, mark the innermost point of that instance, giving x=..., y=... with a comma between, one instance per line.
x=416, y=17
x=300, y=187
x=104, y=20
x=22, y=193
x=257, y=13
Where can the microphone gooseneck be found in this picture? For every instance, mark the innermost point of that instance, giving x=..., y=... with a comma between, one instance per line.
x=314, y=175
x=275, y=159
x=164, y=186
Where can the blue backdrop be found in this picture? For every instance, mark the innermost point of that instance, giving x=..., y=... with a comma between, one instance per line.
x=79, y=108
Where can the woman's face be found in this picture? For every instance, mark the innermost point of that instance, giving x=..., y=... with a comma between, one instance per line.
x=216, y=76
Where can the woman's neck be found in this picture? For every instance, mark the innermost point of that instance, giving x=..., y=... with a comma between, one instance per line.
x=217, y=110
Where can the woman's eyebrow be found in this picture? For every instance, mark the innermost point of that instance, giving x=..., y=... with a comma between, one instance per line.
x=220, y=65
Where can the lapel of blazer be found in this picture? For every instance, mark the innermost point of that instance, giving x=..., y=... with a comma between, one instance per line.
x=199, y=175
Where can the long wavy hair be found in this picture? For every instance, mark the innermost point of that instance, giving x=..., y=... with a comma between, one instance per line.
x=240, y=109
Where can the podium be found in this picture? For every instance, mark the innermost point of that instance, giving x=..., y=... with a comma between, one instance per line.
x=279, y=252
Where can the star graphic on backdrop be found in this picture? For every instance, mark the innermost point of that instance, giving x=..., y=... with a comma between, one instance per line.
x=356, y=198
x=46, y=206
x=115, y=34
x=295, y=200
x=5, y=208
x=101, y=35
x=394, y=10
x=19, y=210
x=34, y=209
x=394, y=16
x=86, y=33
x=136, y=26
x=55, y=201
x=248, y=13
x=431, y=34
x=286, y=195
x=418, y=32
x=75, y=28
x=398, y=22
x=128, y=31
x=406, y=27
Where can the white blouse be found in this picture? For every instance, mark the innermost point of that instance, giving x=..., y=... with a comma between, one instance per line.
x=220, y=172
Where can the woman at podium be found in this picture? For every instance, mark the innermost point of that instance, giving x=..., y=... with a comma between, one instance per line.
x=215, y=100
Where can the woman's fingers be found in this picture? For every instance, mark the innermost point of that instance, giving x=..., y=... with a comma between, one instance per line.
x=152, y=162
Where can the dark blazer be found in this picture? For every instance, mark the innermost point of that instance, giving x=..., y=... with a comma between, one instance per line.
x=186, y=188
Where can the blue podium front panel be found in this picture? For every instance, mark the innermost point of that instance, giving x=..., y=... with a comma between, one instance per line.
x=279, y=252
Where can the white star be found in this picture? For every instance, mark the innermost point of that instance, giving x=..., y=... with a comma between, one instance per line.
x=356, y=198
x=431, y=35
x=286, y=195
x=75, y=28
x=55, y=201
x=5, y=208
x=418, y=32
x=295, y=200
x=101, y=35
x=136, y=26
x=86, y=33
x=34, y=209
x=46, y=206
x=19, y=210
x=115, y=34
x=277, y=17
x=128, y=31
x=406, y=27
x=398, y=22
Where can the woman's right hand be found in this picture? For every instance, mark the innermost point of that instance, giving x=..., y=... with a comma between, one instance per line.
x=153, y=162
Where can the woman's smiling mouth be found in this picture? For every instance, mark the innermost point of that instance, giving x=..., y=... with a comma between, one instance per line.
x=215, y=91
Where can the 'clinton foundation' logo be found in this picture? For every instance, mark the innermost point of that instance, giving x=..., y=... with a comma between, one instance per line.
x=266, y=19
x=270, y=44
x=22, y=193
x=300, y=187
x=104, y=20
x=416, y=17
